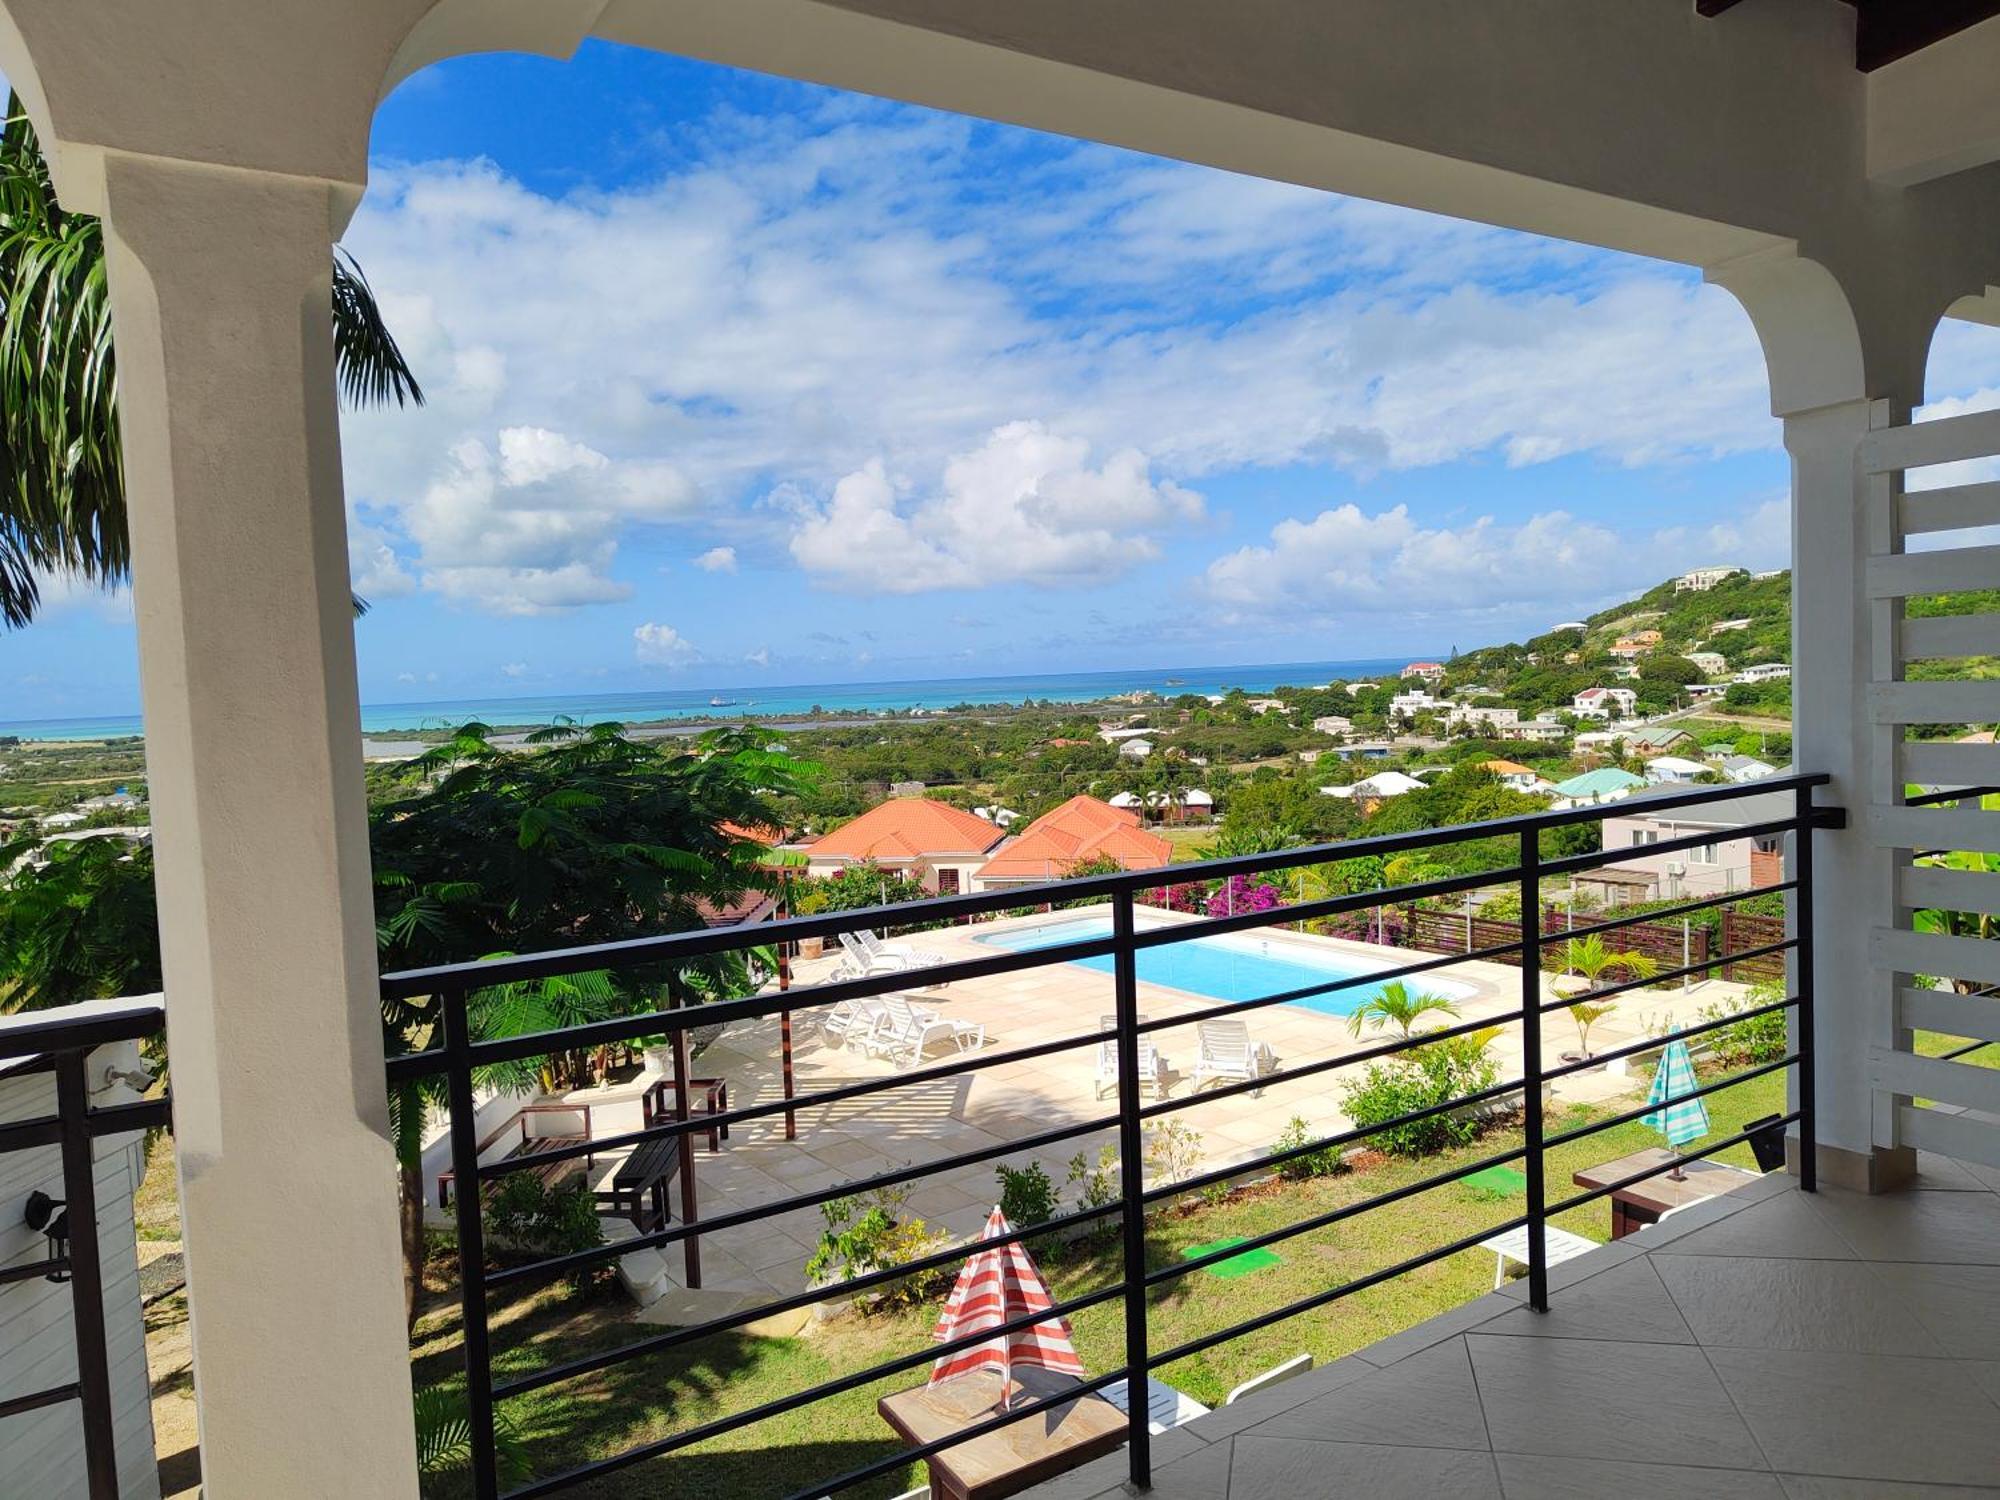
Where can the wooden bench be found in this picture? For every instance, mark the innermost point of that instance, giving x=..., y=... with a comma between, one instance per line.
x=640, y=1184
x=708, y=1096
x=552, y=1173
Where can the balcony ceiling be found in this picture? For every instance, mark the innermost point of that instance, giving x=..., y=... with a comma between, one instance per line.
x=1885, y=30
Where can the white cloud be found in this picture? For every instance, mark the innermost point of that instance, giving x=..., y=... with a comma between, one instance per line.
x=843, y=302
x=717, y=560
x=761, y=657
x=662, y=646
x=1343, y=561
x=1025, y=506
x=373, y=566
x=66, y=591
x=515, y=669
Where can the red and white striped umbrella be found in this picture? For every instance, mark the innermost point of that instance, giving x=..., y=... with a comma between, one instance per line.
x=997, y=1286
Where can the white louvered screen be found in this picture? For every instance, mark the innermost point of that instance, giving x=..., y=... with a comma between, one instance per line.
x=1923, y=542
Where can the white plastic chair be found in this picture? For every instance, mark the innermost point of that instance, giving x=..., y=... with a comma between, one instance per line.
x=850, y=1020
x=1227, y=1053
x=1152, y=1066
x=861, y=962
x=895, y=955
x=1276, y=1375
x=906, y=1032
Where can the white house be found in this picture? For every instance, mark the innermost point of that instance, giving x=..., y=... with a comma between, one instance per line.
x=1418, y=702
x=1381, y=784
x=1489, y=718
x=1768, y=671
x=1733, y=865
x=1605, y=703
x=1741, y=768
x=1662, y=769
x=1112, y=734
x=1701, y=580
x=1542, y=729
x=1135, y=749
x=41, y=1451
x=1333, y=724
x=1266, y=705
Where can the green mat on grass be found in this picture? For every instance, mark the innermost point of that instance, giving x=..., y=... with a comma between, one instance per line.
x=1236, y=1265
x=1497, y=1182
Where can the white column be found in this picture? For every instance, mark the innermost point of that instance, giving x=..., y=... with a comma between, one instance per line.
x=220, y=284
x=1854, y=882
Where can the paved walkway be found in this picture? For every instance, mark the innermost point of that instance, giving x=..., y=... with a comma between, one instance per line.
x=1766, y=1345
x=908, y=1126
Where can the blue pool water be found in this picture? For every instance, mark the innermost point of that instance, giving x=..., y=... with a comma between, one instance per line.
x=1234, y=966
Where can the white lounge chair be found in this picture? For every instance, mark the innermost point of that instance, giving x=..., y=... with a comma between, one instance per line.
x=1277, y=1375
x=860, y=962
x=853, y=1020
x=1227, y=1053
x=1166, y=1408
x=1152, y=1066
x=899, y=955
x=907, y=1032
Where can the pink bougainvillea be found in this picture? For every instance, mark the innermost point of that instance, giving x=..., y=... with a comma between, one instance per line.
x=1241, y=894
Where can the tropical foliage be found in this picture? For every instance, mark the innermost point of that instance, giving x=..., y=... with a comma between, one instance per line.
x=76, y=922
x=1396, y=1007
x=62, y=498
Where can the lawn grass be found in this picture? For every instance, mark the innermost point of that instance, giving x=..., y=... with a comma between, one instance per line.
x=648, y=1398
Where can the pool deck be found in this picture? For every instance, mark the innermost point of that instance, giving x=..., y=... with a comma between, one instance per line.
x=906, y=1127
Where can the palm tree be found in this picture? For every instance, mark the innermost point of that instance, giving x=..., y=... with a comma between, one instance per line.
x=62, y=497
x=1594, y=960
x=1397, y=1007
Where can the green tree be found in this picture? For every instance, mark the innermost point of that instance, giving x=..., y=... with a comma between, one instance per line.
x=62, y=501
x=1397, y=1007
x=80, y=925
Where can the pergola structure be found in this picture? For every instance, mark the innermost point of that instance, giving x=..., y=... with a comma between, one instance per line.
x=1848, y=207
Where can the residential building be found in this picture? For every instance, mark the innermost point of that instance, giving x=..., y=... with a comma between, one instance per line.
x=1516, y=776
x=1266, y=706
x=1429, y=671
x=1767, y=671
x=1081, y=831
x=1701, y=580
x=1708, y=870
x=1704, y=691
x=1542, y=730
x=1605, y=703
x=1712, y=663
x=1373, y=789
x=1579, y=626
x=1418, y=702
x=1724, y=627
x=1628, y=647
x=1111, y=734
x=1656, y=739
x=1831, y=165
x=1135, y=749
x=1675, y=769
x=933, y=842
x=1333, y=724
x=1740, y=768
x=1485, y=718
x=1605, y=784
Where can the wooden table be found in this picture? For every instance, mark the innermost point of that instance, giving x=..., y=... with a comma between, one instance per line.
x=711, y=1097
x=1646, y=1201
x=1011, y=1458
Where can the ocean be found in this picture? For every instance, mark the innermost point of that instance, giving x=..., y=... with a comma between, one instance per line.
x=857, y=698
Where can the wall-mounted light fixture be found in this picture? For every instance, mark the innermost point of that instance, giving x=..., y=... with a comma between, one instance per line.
x=51, y=1219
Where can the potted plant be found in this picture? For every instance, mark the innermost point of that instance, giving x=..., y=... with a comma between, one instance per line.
x=1592, y=963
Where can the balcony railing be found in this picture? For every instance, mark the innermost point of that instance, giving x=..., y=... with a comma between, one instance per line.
x=61, y=1042
x=459, y=1055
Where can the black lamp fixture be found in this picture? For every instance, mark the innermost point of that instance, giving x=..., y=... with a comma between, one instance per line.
x=48, y=1215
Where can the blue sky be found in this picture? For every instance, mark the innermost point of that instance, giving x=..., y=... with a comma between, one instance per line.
x=737, y=381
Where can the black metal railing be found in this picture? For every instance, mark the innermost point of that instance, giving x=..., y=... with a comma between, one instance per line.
x=61, y=1042
x=459, y=1055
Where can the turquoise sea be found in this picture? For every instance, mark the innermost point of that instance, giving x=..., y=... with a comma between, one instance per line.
x=784, y=702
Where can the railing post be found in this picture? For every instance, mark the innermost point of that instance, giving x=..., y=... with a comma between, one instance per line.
x=468, y=1203
x=1802, y=907
x=1132, y=1181
x=86, y=1288
x=1531, y=1066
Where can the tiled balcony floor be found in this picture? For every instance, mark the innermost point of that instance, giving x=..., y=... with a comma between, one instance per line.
x=1767, y=1345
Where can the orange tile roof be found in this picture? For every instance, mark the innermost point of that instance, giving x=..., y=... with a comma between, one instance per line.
x=905, y=828
x=1081, y=830
x=1506, y=768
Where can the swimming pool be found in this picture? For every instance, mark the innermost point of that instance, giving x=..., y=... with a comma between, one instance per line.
x=1230, y=966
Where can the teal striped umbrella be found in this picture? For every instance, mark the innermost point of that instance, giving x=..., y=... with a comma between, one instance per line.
x=1680, y=1119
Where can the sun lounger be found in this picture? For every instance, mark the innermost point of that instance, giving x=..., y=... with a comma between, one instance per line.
x=895, y=954
x=1227, y=1053
x=1276, y=1375
x=907, y=1033
x=1152, y=1066
x=854, y=1020
x=860, y=962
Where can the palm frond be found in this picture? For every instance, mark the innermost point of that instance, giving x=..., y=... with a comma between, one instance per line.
x=371, y=368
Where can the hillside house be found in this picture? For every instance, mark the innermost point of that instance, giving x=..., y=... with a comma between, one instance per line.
x=1428, y=671
x=1768, y=671
x=1605, y=703
x=934, y=843
x=1701, y=580
x=1081, y=831
x=1333, y=724
x=1711, y=663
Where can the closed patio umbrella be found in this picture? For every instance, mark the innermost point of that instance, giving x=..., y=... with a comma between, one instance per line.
x=1680, y=1119
x=997, y=1286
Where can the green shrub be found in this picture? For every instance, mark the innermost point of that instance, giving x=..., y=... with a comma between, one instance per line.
x=1027, y=1197
x=869, y=1234
x=526, y=1214
x=1421, y=1079
x=1325, y=1162
x=1752, y=1040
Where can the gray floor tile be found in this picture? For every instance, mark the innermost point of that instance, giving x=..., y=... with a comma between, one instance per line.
x=1626, y=1302
x=1280, y=1468
x=1525, y=1476
x=1264, y=1405
x=1428, y=1398
x=1585, y=1399
x=1433, y=1331
x=1986, y=1374
x=1943, y=1174
x=1199, y=1476
x=1784, y=1226
x=1793, y=1304
x=1946, y=1227
x=1960, y=1305
x=1865, y=1416
x=1822, y=1487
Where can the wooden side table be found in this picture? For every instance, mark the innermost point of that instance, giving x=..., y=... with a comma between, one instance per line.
x=1011, y=1458
x=1646, y=1201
